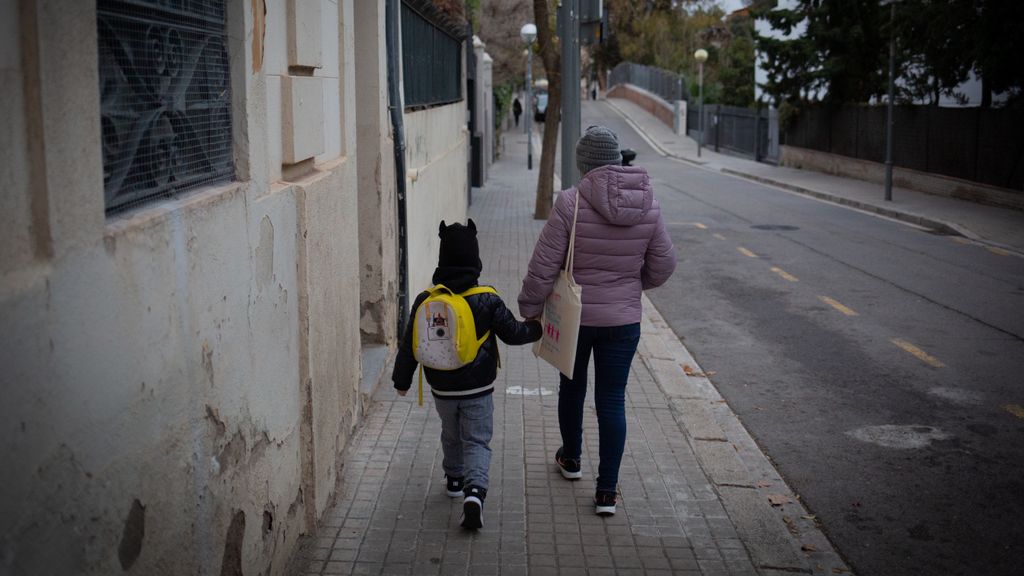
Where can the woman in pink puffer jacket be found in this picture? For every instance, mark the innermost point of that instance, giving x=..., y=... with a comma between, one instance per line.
x=622, y=248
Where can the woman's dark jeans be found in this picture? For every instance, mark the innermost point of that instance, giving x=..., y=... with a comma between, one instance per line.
x=613, y=348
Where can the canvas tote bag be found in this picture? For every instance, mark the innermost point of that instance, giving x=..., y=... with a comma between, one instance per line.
x=561, y=317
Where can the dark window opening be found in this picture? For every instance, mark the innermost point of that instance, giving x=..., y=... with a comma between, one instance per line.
x=165, y=98
x=431, y=62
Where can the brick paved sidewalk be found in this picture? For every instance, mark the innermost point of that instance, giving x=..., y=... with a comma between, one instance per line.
x=393, y=517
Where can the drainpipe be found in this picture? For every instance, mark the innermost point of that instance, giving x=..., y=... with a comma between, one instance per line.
x=398, y=131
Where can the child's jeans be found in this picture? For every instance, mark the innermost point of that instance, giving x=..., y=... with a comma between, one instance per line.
x=466, y=428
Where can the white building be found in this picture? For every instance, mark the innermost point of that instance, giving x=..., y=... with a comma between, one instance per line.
x=199, y=248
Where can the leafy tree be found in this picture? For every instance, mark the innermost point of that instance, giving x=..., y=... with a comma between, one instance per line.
x=841, y=53
x=999, y=42
x=549, y=54
x=934, y=39
x=736, y=75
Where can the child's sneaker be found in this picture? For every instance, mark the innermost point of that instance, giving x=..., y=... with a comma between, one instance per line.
x=569, y=467
x=473, y=508
x=604, y=503
x=453, y=486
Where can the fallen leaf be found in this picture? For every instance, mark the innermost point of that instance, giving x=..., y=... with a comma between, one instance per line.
x=810, y=517
x=689, y=371
x=763, y=484
x=839, y=570
x=778, y=499
x=711, y=373
x=809, y=548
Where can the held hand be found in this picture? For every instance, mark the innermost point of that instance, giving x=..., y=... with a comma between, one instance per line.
x=402, y=392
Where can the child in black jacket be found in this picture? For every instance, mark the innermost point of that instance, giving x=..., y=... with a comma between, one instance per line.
x=462, y=397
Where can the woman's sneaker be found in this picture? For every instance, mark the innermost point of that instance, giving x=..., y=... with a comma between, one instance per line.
x=604, y=503
x=453, y=486
x=569, y=467
x=473, y=508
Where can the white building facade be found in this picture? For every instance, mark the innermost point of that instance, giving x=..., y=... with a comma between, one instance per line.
x=200, y=250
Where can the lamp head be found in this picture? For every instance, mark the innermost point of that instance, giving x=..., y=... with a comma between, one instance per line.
x=701, y=55
x=528, y=33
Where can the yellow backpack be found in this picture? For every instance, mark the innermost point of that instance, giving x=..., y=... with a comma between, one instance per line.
x=444, y=332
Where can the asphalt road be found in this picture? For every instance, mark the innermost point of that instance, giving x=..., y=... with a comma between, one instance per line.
x=880, y=366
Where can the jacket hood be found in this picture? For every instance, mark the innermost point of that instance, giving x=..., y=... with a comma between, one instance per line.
x=620, y=194
x=456, y=278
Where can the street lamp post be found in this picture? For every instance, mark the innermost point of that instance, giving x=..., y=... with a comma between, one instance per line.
x=529, y=33
x=889, y=105
x=701, y=55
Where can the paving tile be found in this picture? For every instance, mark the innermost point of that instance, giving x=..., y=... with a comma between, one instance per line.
x=392, y=517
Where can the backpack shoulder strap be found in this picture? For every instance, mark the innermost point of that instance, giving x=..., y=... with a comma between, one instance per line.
x=479, y=290
x=439, y=289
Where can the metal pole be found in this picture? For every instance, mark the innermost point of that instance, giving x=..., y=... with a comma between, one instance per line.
x=700, y=100
x=888, y=114
x=570, y=89
x=529, y=107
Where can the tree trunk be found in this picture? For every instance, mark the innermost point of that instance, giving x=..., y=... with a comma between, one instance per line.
x=553, y=117
x=986, y=91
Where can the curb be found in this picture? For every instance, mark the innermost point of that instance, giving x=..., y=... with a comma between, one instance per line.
x=935, y=224
x=778, y=532
x=942, y=226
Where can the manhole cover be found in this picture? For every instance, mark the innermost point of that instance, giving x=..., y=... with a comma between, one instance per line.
x=784, y=227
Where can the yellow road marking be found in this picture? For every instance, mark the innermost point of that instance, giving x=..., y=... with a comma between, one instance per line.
x=998, y=251
x=784, y=274
x=699, y=225
x=746, y=252
x=1015, y=409
x=918, y=353
x=961, y=240
x=835, y=304
x=719, y=236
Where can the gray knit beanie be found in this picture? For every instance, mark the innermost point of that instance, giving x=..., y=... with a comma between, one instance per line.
x=597, y=147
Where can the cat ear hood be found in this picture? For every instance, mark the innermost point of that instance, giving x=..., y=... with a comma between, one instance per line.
x=459, y=247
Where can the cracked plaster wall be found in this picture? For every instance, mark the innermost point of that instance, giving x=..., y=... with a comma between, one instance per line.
x=179, y=380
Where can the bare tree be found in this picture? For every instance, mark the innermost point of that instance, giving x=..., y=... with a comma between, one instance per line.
x=500, y=21
x=549, y=54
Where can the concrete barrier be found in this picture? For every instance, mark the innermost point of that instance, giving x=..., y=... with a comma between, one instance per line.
x=653, y=104
x=903, y=177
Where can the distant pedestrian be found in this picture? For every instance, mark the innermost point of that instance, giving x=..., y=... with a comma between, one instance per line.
x=462, y=396
x=517, y=110
x=622, y=247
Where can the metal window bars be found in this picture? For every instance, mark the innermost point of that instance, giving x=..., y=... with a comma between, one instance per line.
x=165, y=98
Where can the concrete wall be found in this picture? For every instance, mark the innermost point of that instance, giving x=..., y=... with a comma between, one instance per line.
x=437, y=150
x=902, y=177
x=651, y=103
x=484, y=100
x=178, y=381
x=377, y=206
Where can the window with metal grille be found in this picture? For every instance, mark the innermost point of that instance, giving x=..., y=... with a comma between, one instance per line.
x=165, y=99
x=431, y=62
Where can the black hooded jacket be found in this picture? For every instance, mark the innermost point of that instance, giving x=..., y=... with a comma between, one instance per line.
x=489, y=313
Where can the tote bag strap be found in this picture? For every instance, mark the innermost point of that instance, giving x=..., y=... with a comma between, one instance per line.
x=572, y=239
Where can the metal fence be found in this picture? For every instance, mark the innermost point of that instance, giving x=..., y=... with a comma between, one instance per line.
x=431, y=62
x=977, y=144
x=668, y=85
x=745, y=131
x=165, y=98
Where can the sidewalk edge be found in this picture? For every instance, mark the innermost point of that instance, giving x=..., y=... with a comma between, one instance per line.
x=783, y=538
x=943, y=226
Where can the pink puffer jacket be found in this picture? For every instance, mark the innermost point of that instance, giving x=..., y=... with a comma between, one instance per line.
x=622, y=247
